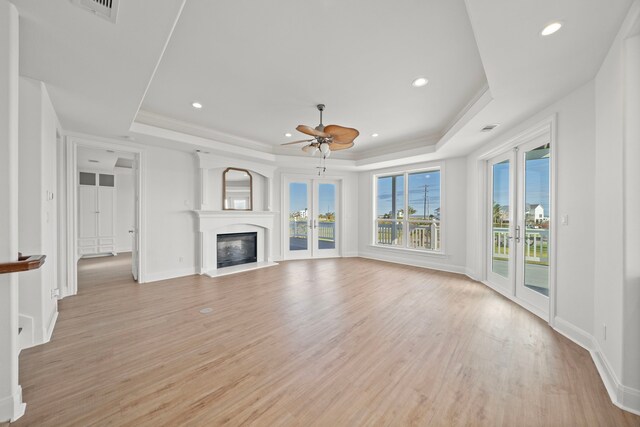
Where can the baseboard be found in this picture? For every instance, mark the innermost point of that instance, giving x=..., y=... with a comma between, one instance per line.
x=12, y=407
x=170, y=274
x=630, y=399
x=471, y=275
x=624, y=397
x=575, y=334
x=397, y=259
x=52, y=325
x=26, y=337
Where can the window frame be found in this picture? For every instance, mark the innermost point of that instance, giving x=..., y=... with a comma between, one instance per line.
x=405, y=222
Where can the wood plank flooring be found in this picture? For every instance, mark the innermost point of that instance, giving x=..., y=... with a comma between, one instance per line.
x=336, y=342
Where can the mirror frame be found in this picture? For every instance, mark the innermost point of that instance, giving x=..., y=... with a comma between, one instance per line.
x=224, y=189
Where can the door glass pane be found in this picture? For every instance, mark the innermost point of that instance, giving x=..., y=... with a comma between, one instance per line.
x=389, y=210
x=326, y=216
x=537, y=213
x=298, y=217
x=500, y=223
x=424, y=210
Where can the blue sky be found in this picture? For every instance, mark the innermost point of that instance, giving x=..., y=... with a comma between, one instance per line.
x=417, y=182
x=536, y=181
x=298, y=197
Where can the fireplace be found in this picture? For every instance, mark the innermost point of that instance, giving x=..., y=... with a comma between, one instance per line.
x=237, y=248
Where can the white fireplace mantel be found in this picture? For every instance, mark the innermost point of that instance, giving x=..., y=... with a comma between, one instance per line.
x=212, y=223
x=210, y=220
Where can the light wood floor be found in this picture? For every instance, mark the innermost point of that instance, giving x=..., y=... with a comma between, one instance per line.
x=338, y=342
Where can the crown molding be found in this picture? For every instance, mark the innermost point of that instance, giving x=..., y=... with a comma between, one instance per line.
x=479, y=101
x=168, y=123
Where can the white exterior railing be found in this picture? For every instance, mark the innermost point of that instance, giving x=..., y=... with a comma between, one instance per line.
x=535, y=241
x=299, y=229
x=421, y=235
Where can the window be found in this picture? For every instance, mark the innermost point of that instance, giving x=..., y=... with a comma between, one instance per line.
x=408, y=210
x=107, y=180
x=87, y=178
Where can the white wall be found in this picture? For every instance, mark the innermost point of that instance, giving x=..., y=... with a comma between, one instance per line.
x=631, y=291
x=170, y=192
x=453, y=220
x=125, y=214
x=617, y=294
x=575, y=242
x=38, y=213
x=11, y=406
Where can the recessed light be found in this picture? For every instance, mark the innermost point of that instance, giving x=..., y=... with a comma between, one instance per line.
x=374, y=135
x=288, y=135
x=196, y=105
x=551, y=28
x=419, y=82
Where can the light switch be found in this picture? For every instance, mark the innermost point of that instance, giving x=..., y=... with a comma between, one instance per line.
x=564, y=220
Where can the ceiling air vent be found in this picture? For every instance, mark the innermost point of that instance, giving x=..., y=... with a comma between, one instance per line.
x=489, y=128
x=107, y=9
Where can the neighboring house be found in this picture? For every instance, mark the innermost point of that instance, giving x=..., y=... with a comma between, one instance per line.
x=535, y=213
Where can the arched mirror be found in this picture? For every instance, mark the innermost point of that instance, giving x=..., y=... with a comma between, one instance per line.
x=237, y=190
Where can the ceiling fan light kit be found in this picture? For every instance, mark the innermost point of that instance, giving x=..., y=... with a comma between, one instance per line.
x=325, y=138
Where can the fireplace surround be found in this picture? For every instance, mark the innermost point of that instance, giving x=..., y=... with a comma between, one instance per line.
x=212, y=220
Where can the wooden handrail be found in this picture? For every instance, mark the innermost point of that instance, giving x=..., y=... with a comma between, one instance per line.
x=24, y=263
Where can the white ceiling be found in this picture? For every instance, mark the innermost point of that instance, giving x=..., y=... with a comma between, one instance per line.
x=527, y=72
x=98, y=159
x=96, y=72
x=260, y=69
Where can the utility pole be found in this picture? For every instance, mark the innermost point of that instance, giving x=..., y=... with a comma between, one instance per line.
x=426, y=208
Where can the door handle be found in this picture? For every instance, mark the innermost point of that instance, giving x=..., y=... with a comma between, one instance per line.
x=518, y=233
x=315, y=223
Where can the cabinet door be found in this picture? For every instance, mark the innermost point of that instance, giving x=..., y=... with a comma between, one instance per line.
x=106, y=209
x=88, y=212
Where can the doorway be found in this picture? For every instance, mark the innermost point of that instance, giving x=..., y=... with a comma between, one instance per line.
x=519, y=226
x=312, y=221
x=104, y=211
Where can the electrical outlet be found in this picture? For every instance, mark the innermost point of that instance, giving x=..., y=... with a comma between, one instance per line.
x=55, y=293
x=604, y=332
x=181, y=259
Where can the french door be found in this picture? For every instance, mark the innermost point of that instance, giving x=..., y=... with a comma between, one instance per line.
x=312, y=218
x=519, y=223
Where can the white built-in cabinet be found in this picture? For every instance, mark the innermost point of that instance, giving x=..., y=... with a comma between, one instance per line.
x=96, y=214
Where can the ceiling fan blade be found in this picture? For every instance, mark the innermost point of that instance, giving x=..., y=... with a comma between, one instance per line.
x=341, y=134
x=338, y=147
x=298, y=142
x=311, y=131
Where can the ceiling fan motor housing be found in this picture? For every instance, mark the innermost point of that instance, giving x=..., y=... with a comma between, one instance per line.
x=320, y=127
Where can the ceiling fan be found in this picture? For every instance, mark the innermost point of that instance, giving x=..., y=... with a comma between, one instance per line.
x=326, y=138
